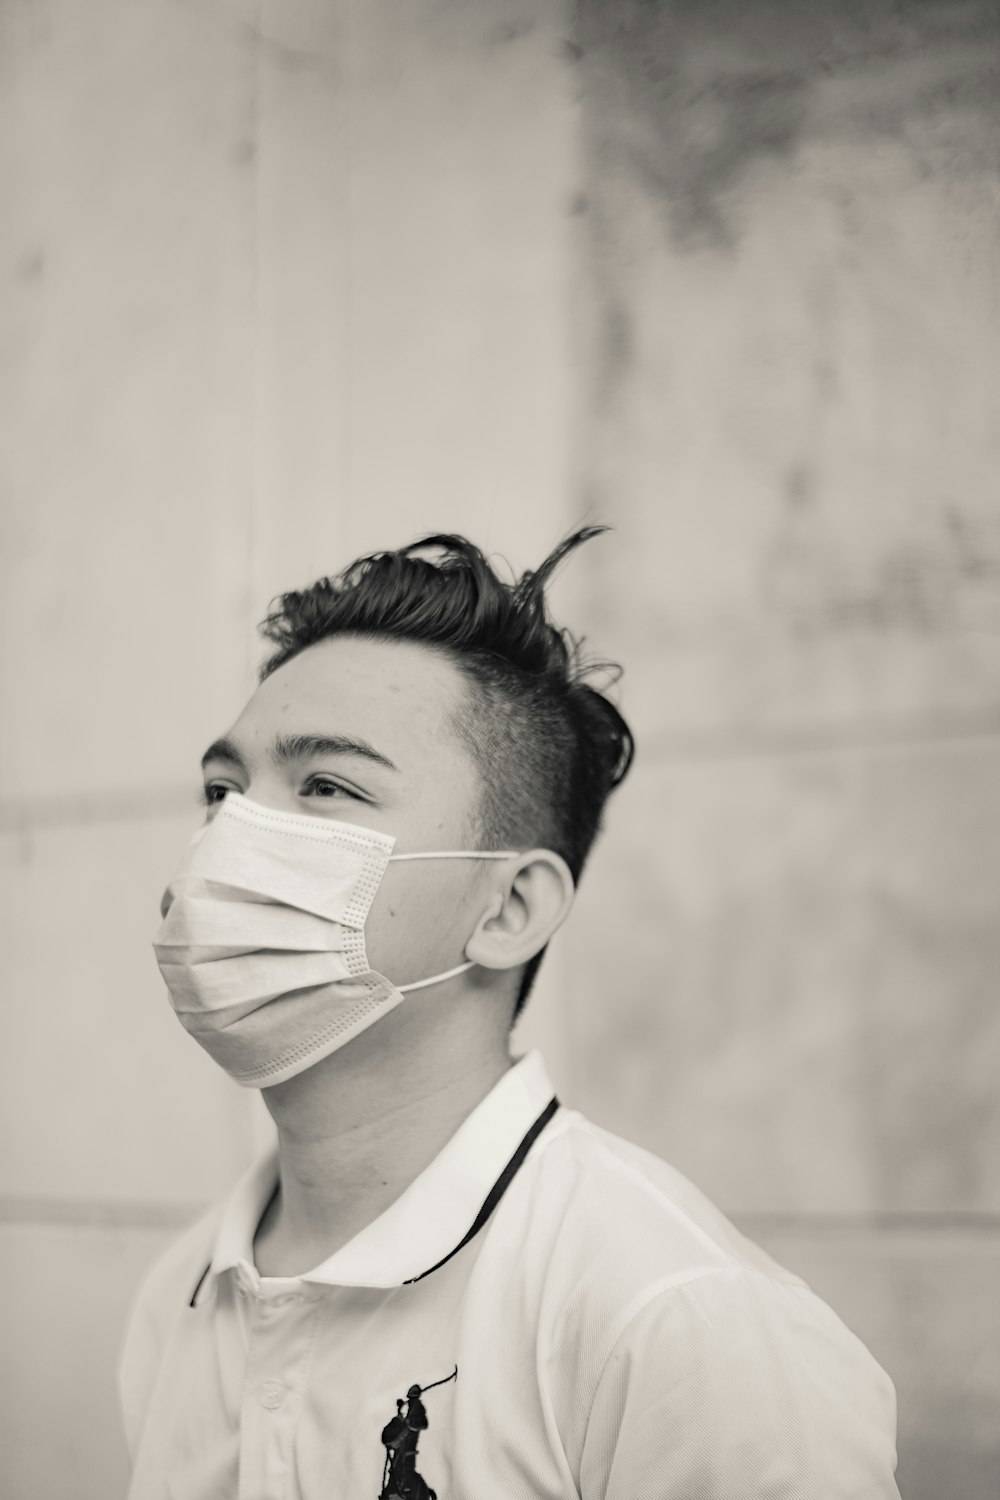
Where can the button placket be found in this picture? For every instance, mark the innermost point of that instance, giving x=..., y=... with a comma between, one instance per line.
x=277, y=1358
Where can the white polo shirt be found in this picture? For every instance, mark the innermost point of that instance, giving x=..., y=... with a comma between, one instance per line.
x=547, y=1312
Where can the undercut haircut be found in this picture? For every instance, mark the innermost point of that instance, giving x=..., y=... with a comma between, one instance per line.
x=549, y=745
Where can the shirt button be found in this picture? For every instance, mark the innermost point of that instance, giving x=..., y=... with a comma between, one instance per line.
x=272, y=1393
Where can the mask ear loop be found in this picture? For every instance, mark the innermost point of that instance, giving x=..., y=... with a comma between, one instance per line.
x=420, y=984
x=461, y=854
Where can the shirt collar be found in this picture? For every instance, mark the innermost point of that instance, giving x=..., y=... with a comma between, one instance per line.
x=430, y=1218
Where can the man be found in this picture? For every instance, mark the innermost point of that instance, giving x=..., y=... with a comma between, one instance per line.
x=396, y=824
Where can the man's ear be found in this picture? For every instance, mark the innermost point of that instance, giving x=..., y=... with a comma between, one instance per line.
x=523, y=916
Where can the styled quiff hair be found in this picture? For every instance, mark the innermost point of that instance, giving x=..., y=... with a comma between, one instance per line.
x=549, y=745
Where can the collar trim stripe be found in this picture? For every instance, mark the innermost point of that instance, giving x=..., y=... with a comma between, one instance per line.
x=201, y=1282
x=498, y=1189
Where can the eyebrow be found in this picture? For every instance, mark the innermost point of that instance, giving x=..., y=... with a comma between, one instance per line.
x=286, y=747
x=223, y=750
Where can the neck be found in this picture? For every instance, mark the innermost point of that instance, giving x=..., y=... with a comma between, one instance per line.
x=357, y=1128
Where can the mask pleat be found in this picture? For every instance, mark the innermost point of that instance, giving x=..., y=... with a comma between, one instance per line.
x=196, y=921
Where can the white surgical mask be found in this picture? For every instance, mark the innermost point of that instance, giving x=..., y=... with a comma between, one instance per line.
x=262, y=944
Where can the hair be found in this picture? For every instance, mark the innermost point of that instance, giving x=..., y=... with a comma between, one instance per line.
x=550, y=746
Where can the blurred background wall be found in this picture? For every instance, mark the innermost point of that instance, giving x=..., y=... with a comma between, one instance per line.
x=290, y=279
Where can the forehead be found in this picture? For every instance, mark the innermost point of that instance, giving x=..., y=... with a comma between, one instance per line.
x=399, y=696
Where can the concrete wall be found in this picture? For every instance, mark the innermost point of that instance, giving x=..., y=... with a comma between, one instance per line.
x=293, y=278
x=284, y=281
x=785, y=975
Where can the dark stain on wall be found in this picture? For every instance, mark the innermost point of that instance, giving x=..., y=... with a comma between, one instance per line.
x=684, y=98
x=944, y=579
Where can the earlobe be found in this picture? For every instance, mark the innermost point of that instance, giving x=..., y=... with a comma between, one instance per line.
x=521, y=921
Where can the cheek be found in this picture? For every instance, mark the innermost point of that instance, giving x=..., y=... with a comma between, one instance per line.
x=420, y=920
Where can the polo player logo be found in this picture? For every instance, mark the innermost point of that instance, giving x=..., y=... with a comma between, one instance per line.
x=400, y=1436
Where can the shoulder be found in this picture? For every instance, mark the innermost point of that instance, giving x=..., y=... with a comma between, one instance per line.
x=164, y=1292
x=606, y=1228
x=621, y=1206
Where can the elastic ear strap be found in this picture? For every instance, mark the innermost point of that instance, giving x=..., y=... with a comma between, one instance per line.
x=420, y=984
x=461, y=854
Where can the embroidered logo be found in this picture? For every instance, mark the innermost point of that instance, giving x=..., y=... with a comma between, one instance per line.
x=400, y=1436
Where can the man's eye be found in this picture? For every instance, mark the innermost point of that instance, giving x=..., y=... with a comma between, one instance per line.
x=214, y=792
x=317, y=786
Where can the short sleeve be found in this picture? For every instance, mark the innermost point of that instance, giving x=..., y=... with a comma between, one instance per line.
x=740, y=1386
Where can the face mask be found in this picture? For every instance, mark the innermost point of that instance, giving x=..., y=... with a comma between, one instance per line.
x=262, y=944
